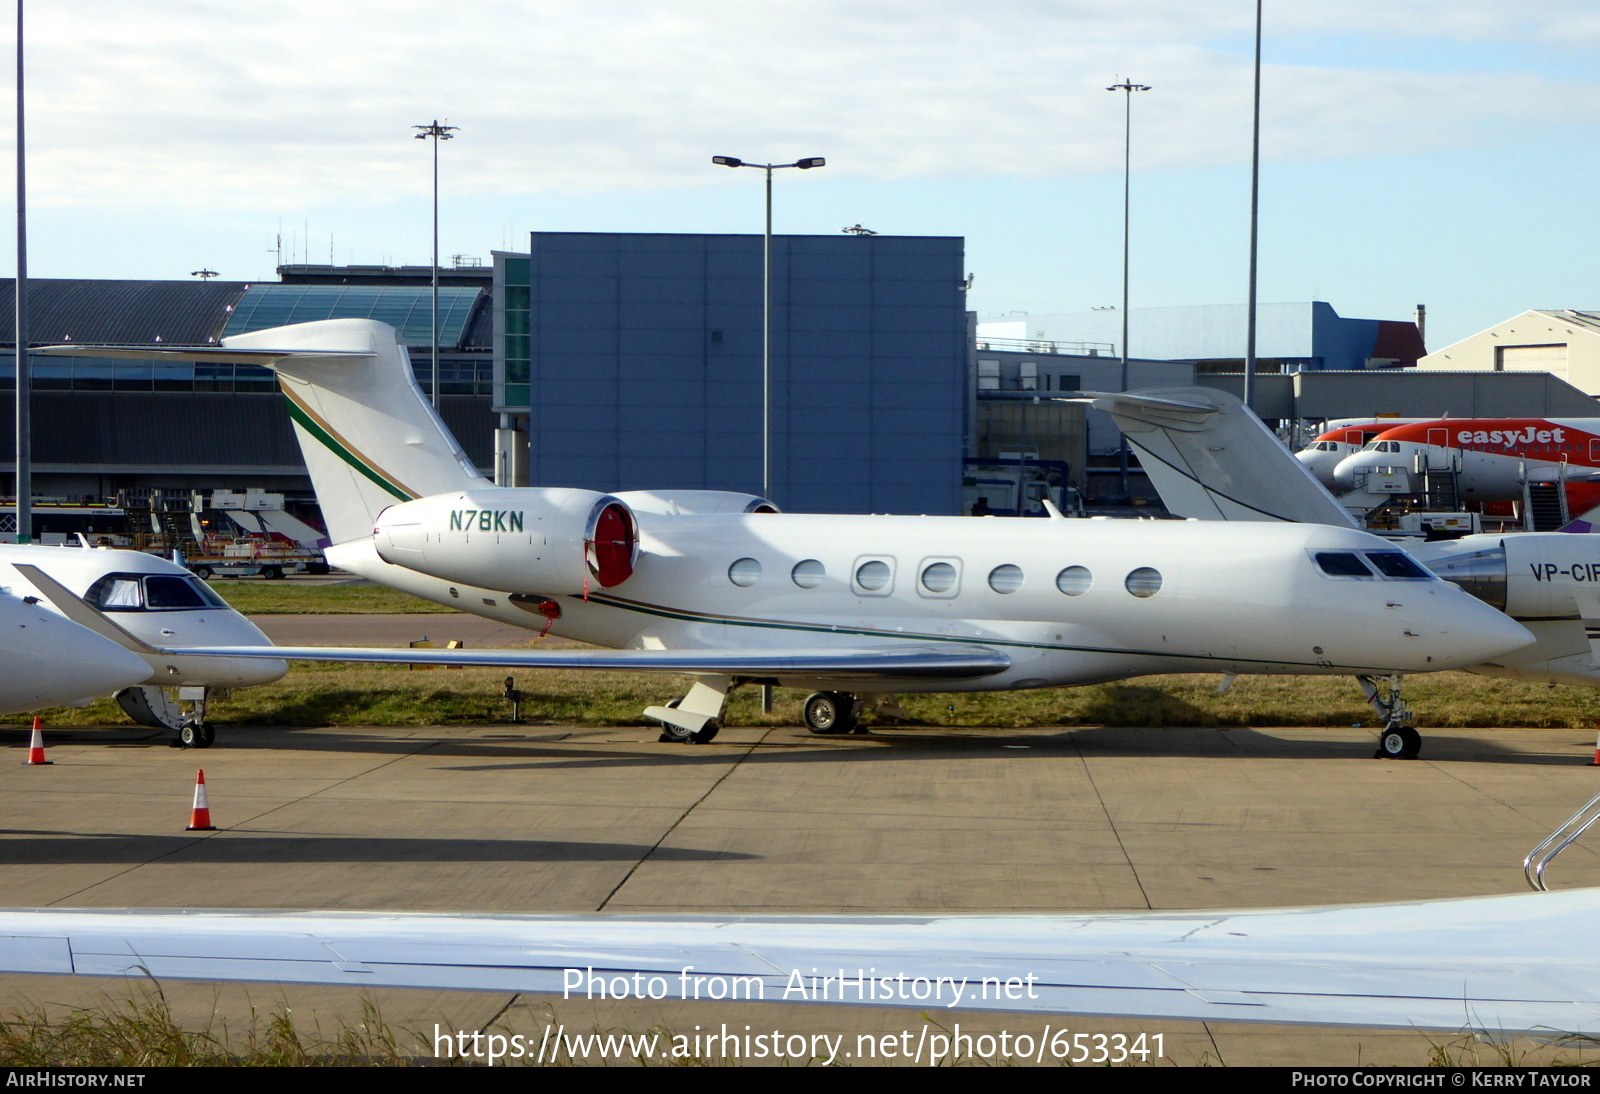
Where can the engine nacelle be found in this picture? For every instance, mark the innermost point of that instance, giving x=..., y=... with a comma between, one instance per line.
x=522, y=540
x=1532, y=575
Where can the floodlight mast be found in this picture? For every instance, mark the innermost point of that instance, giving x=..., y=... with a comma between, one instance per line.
x=22, y=371
x=436, y=133
x=766, y=307
x=1127, y=87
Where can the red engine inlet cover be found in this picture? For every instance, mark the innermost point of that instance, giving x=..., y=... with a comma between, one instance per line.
x=614, y=546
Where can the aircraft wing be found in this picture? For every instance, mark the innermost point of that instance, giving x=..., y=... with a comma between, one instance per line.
x=1510, y=963
x=862, y=663
x=1211, y=458
x=193, y=353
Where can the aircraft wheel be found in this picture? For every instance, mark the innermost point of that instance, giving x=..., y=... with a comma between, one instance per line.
x=208, y=736
x=1400, y=743
x=190, y=736
x=829, y=712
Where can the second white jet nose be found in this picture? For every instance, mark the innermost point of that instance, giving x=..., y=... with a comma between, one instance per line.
x=1470, y=632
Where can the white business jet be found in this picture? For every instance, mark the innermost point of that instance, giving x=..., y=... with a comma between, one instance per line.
x=156, y=603
x=1212, y=460
x=720, y=586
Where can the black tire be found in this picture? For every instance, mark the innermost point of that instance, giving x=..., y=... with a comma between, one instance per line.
x=203, y=573
x=189, y=736
x=1400, y=743
x=827, y=713
x=272, y=573
x=208, y=736
x=318, y=568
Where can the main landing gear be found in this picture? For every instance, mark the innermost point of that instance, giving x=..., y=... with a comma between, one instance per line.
x=827, y=713
x=1398, y=740
x=155, y=707
x=693, y=719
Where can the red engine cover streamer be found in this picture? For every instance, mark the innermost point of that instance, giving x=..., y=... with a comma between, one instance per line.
x=614, y=547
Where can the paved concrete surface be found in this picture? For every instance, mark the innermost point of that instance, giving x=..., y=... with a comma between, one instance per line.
x=546, y=819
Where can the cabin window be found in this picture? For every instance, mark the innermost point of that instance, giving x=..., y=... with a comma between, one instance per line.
x=1398, y=565
x=1144, y=582
x=1342, y=564
x=874, y=577
x=745, y=572
x=1006, y=578
x=939, y=579
x=808, y=573
x=1074, y=580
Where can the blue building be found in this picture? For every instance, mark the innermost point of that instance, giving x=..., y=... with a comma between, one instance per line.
x=631, y=361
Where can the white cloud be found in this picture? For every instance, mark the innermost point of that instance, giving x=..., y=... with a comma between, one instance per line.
x=289, y=104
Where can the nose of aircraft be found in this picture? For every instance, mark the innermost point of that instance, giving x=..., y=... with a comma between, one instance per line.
x=1320, y=464
x=1344, y=474
x=1460, y=630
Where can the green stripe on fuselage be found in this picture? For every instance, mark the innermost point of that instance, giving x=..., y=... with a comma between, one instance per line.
x=305, y=422
x=684, y=616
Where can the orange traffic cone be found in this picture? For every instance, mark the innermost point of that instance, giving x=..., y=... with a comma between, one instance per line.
x=36, y=747
x=1592, y=763
x=200, y=815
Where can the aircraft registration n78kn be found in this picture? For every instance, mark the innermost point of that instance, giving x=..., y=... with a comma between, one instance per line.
x=721, y=586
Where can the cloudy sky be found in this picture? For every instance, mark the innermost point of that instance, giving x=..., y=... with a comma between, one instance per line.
x=1414, y=151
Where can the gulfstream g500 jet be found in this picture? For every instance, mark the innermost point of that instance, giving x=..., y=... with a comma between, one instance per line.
x=723, y=587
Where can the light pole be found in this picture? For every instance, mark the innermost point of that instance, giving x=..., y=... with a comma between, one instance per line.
x=1127, y=87
x=1255, y=190
x=436, y=133
x=23, y=370
x=766, y=309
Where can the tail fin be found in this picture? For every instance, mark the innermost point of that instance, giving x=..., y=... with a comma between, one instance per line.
x=1209, y=457
x=369, y=437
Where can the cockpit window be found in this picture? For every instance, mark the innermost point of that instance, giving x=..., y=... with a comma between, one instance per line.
x=152, y=593
x=1397, y=564
x=1342, y=564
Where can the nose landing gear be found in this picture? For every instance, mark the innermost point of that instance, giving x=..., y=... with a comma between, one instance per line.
x=1398, y=740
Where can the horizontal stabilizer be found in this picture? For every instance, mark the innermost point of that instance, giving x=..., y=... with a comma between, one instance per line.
x=265, y=357
x=955, y=662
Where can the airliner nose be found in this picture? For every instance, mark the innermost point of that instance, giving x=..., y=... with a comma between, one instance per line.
x=1345, y=473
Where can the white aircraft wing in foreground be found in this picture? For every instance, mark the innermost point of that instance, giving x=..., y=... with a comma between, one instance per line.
x=1510, y=963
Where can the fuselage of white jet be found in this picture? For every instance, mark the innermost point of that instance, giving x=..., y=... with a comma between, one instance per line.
x=48, y=661
x=1068, y=601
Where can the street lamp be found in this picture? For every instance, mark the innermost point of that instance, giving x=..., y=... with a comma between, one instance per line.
x=1127, y=87
x=1255, y=193
x=23, y=370
x=436, y=133
x=766, y=308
